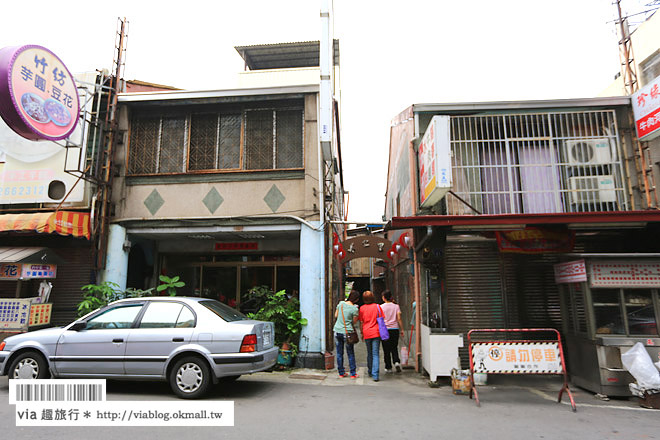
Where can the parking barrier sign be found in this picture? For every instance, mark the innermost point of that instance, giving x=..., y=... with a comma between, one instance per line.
x=518, y=357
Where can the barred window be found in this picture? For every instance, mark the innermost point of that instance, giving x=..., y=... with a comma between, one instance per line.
x=215, y=142
x=260, y=139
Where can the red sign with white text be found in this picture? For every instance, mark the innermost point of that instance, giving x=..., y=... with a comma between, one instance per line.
x=646, y=108
x=237, y=246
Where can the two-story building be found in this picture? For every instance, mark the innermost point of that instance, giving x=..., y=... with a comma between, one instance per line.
x=230, y=189
x=501, y=194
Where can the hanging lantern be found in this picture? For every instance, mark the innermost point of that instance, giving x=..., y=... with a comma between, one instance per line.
x=341, y=254
x=397, y=247
x=404, y=240
x=335, y=238
x=336, y=247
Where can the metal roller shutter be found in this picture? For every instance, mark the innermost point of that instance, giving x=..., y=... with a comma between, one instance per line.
x=71, y=276
x=474, y=289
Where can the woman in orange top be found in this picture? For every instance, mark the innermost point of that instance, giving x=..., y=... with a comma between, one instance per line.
x=369, y=327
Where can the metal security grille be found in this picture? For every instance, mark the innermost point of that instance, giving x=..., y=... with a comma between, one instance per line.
x=203, y=142
x=229, y=155
x=259, y=140
x=144, y=145
x=537, y=163
x=273, y=138
x=171, y=157
x=215, y=142
x=289, y=139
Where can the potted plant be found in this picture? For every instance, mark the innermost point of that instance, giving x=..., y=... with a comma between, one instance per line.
x=284, y=312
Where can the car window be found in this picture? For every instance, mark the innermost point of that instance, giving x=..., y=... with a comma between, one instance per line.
x=186, y=318
x=161, y=315
x=223, y=311
x=117, y=317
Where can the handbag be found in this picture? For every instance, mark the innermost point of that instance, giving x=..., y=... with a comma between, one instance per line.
x=382, y=328
x=352, y=337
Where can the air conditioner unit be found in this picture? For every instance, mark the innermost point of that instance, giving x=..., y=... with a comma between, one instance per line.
x=592, y=189
x=589, y=151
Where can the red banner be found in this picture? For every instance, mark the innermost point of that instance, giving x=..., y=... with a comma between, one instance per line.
x=535, y=241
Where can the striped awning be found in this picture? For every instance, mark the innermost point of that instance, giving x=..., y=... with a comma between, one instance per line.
x=60, y=222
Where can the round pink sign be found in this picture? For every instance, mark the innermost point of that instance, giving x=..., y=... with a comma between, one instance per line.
x=38, y=95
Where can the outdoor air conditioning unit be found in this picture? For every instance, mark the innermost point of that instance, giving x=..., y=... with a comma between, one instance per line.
x=592, y=189
x=589, y=151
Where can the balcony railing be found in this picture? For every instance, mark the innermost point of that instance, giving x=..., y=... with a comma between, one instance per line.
x=537, y=163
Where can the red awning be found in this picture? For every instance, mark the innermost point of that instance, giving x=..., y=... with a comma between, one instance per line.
x=501, y=221
x=59, y=222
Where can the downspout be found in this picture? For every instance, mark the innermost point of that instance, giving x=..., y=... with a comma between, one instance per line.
x=417, y=265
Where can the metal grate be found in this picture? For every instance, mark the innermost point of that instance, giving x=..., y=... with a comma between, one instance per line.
x=289, y=139
x=230, y=142
x=203, y=142
x=171, y=158
x=259, y=140
x=537, y=163
x=144, y=146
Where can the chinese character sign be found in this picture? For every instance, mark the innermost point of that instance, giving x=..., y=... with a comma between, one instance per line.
x=646, y=108
x=514, y=357
x=38, y=95
x=14, y=314
x=10, y=271
x=434, y=161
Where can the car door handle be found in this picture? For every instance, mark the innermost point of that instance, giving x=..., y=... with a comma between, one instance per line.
x=118, y=340
x=177, y=339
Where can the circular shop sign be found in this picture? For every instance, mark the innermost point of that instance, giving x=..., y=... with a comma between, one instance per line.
x=38, y=95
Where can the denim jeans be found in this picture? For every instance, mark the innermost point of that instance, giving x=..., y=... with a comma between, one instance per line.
x=340, y=339
x=373, y=356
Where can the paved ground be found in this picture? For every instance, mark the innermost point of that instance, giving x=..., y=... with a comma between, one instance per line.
x=303, y=404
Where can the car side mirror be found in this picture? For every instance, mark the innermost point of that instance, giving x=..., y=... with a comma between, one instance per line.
x=78, y=325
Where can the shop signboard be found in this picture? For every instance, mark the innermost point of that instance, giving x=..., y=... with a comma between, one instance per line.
x=29, y=271
x=570, y=272
x=14, y=314
x=15, y=271
x=624, y=274
x=237, y=246
x=532, y=240
x=10, y=271
x=38, y=95
x=434, y=161
x=40, y=314
x=515, y=357
x=646, y=108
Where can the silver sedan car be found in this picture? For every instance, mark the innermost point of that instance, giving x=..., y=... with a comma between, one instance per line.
x=190, y=342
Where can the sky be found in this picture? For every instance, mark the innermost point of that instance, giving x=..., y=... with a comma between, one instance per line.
x=392, y=54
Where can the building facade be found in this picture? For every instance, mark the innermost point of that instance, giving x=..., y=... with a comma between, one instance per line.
x=516, y=189
x=230, y=190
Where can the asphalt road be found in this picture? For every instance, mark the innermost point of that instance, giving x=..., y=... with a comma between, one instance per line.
x=315, y=405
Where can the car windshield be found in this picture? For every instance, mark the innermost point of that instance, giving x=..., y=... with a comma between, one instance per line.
x=223, y=310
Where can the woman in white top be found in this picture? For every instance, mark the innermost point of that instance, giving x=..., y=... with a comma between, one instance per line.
x=393, y=322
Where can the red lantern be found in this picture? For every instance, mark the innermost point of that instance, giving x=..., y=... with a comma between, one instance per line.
x=341, y=254
x=391, y=254
x=404, y=240
x=335, y=238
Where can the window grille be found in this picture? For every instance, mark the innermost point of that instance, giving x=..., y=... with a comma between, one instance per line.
x=536, y=163
x=273, y=138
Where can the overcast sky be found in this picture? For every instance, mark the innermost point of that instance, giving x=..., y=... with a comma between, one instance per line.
x=393, y=54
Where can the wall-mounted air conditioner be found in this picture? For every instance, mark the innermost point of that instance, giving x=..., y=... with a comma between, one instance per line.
x=592, y=189
x=589, y=151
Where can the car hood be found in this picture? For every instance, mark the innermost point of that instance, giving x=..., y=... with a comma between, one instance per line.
x=44, y=336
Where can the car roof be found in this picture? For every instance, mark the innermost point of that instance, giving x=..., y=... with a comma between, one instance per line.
x=185, y=299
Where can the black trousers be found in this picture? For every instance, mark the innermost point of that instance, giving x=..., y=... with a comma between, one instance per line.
x=391, y=349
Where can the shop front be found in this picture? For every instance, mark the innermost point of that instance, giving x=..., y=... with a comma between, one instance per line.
x=223, y=263
x=610, y=302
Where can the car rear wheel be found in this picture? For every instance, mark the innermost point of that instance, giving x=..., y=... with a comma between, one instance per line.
x=190, y=378
x=29, y=365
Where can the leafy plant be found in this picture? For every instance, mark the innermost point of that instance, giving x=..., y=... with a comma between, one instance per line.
x=169, y=284
x=255, y=299
x=285, y=314
x=98, y=295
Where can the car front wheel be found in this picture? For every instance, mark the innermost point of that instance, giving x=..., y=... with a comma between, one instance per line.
x=29, y=365
x=190, y=378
